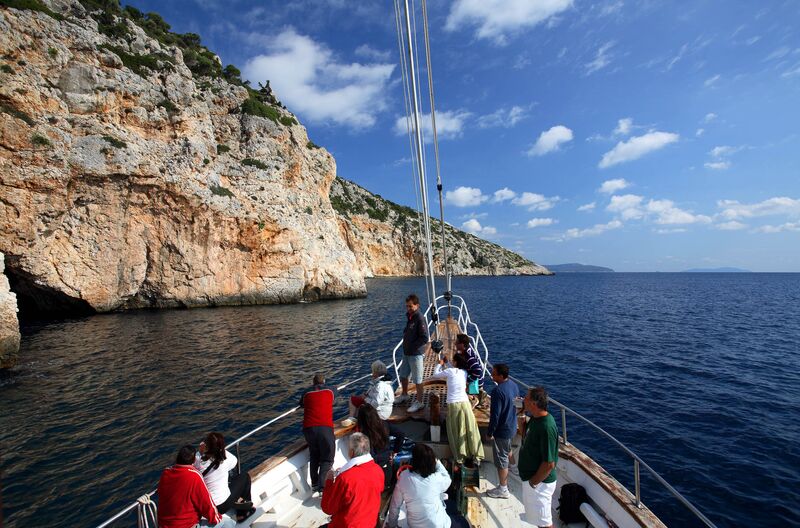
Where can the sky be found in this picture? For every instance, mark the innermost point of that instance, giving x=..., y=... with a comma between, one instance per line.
x=643, y=135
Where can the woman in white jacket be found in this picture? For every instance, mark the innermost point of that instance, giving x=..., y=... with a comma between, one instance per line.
x=421, y=488
x=380, y=395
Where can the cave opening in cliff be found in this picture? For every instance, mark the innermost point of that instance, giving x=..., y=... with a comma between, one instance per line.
x=37, y=302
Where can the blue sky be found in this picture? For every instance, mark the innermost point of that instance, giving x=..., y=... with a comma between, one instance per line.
x=641, y=135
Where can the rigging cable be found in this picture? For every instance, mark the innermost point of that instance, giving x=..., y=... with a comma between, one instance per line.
x=423, y=185
x=445, y=264
x=412, y=147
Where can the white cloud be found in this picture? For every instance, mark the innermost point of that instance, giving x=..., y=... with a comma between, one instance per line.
x=788, y=226
x=496, y=20
x=717, y=165
x=595, y=230
x=628, y=206
x=611, y=8
x=309, y=79
x=779, y=205
x=794, y=70
x=631, y=207
x=752, y=40
x=612, y=186
x=465, y=197
x=677, y=57
x=449, y=125
x=587, y=207
x=551, y=140
x=601, y=60
x=535, y=201
x=669, y=231
x=503, y=194
x=733, y=225
x=699, y=132
x=539, y=222
x=711, y=116
x=475, y=227
x=504, y=117
x=624, y=127
x=365, y=51
x=711, y=81
x=473, y=215
x=778, y=53
x=724, y=150
x=636, y=147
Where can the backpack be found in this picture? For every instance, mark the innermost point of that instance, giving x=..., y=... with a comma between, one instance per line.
x=569, y=508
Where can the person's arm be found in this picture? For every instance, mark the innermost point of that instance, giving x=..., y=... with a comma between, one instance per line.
x=331, y=496
x=203, y=502
x=494, y=412
x=302, y=397
x=443, y=476
x=422, y=332
x=548, y=447
x=394, y=506
x=544, y=469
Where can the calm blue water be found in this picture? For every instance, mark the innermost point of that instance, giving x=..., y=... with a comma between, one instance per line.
x=698, y=373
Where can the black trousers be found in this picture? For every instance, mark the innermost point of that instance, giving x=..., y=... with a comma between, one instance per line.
x=321, y=448
x=240, y=488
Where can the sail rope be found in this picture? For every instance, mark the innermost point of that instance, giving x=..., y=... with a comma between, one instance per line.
x=147, y=512
x=412, y=146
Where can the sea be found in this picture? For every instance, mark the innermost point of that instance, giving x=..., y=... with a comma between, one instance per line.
x=699, y=374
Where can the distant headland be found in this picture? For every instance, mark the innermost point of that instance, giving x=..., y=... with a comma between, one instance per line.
x=574, y=267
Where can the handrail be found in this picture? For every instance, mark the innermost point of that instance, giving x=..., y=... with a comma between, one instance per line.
x=235, y=443
x=465, y=323
x=637, y=459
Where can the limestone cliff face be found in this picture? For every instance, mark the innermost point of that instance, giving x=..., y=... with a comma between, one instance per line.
x=9, y=326
x=385, y=238
x=127, y=181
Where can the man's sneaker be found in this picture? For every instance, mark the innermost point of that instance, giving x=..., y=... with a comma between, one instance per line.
x=347, y=422
x=401, y=399
x=498, y=493
x=416, y=406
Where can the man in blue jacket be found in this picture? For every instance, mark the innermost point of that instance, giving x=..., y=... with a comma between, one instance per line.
x=415, y=341
x=502, y=426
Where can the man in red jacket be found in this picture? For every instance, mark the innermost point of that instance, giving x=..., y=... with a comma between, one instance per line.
x=318, y=429
x=182, y=495
x=352, y=495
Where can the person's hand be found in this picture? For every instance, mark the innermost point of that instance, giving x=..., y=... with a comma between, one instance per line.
x=491, y=438
x=330, y=475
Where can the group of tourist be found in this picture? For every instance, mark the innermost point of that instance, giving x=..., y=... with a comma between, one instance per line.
x=198, y=485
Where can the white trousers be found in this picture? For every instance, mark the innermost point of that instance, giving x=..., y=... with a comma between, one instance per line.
x=538, y=503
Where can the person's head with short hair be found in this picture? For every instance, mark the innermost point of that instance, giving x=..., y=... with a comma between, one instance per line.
x=186, y=455
x=359, y=445
x=462, y=342
x=215, y=448
x=423, y=460
x=371, y=425
x=412, y=303
x=500, y=373
x=319, y=379
x=378, y=369
x=536, y=401
x=460, y=361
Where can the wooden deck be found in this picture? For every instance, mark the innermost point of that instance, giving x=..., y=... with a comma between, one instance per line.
x=446, y=332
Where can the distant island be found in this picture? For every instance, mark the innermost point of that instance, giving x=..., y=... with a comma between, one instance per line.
x=574, y=267
x=711, y=270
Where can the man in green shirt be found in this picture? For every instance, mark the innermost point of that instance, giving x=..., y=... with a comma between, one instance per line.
x=537, y=460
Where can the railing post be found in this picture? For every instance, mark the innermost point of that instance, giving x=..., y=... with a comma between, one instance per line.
x=238, y=460
x=564, y=425
x=636, y=483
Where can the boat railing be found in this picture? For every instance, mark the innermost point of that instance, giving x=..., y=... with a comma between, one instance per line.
x=470, y=328
x=235, y=444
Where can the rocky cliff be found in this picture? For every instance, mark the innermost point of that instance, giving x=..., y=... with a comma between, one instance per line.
x=9, y=326
x=385, y=238
x=130, y=180
x=136, y=171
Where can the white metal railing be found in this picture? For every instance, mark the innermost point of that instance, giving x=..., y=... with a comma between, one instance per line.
x=466, y=325
x=235, y=444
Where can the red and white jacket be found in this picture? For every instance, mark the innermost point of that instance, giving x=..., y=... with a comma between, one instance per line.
x=354, y=498
x=183, y=498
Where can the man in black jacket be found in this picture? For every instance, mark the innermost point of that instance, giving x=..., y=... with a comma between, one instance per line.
x=415, y=341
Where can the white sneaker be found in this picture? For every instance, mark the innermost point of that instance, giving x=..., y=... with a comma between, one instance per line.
x=401, y=399
x=498, y=493
x=347, y=422
x=416, y=406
